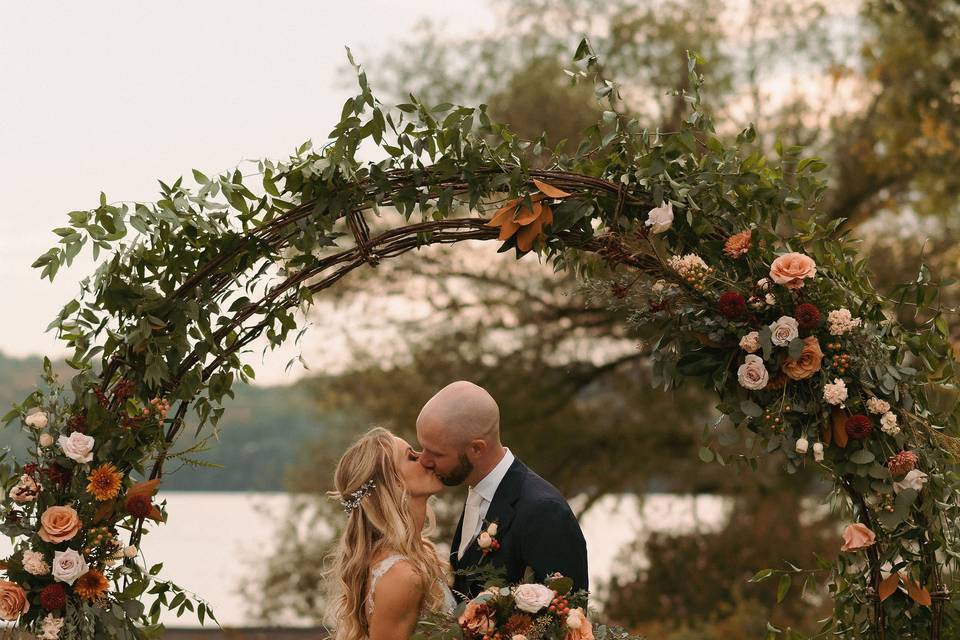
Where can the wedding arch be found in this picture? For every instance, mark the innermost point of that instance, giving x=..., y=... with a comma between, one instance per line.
x=711, y=243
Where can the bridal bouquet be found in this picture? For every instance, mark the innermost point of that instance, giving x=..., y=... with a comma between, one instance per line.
x=550, y=610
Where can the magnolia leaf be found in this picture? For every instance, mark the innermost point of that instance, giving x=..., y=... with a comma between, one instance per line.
x=549, y=190
x=919, y=594
x=889, y=585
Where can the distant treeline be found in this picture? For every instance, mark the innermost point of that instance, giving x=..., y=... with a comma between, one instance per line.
x=262, y=432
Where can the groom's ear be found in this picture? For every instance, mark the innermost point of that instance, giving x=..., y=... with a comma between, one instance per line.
x=477, y=447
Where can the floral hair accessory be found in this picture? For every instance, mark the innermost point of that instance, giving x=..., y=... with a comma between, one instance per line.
x=352, y=501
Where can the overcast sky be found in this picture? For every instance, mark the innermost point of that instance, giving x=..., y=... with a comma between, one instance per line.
x=110, y=96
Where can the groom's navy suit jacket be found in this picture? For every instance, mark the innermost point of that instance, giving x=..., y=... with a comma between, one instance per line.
x=536, y=529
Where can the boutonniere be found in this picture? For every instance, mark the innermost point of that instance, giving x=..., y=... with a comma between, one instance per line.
x=487, y=540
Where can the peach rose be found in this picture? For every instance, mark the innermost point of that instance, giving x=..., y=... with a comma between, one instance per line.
x=13, y=600
x=578, y=625
x=791, y=269
x=737, y=244
x=58, y=524
x=856, y=537
x=807, y=364
x=477, y=619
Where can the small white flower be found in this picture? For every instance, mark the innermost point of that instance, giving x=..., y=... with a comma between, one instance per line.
x=659, y=286
x=45, y=440
x=770, y=299
x=38, y=420
x=835, y=392
x=784, y=330
x=802, y=444
x=484, y=541
x=763, y=284
x=750, y=342
x=914, y=479
x=888, y=423
x=818, y=451
x=877, y=406
x=660, y=219
x=131, y=551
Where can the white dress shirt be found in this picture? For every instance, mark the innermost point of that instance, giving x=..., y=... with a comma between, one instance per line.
x=486, y=488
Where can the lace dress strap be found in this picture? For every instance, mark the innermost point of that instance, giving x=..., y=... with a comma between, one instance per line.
x=377, y=572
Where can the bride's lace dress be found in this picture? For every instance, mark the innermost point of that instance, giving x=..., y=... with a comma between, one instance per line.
x=379, y=569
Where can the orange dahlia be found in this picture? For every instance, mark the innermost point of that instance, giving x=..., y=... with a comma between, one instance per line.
x=91, y=586
x=104, y=482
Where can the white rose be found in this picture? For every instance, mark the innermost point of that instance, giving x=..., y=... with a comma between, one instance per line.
x=877, y=406
x=518, y=636
x=802, y=445
x=661, y=218
x=784, y=330
x=818, y=451
x=888, y=423
x=484, y=541
x=533, y=597
x=38, y=420
x=45, y=440
x=492, y=529
x=750, y=342
x=34, y=563
x=835, y=392
x=68, y=566
x=914, y=479
x=753, y=374
x=78, y=446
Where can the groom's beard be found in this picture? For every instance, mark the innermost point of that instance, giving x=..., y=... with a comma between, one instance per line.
x=459, y=474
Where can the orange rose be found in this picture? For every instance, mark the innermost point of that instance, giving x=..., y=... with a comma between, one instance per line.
x=58, y=524
x=477, y=619
x=856, y=537
x=791, y=269
x=807, y=364
x=579, y=628
x=13, y=600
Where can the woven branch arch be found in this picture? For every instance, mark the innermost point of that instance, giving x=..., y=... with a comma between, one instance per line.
x=680, y=225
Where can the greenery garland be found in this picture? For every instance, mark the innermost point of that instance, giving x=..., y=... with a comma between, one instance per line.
x=190, y=280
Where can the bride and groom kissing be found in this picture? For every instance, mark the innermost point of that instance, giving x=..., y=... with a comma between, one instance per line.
x=386, y=571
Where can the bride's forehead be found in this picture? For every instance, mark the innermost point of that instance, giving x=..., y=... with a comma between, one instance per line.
x=400, y=444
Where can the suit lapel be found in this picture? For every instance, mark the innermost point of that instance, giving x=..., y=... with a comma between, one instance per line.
x=501, y=511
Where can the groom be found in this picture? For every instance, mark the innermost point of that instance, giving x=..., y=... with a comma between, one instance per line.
x=459, y=433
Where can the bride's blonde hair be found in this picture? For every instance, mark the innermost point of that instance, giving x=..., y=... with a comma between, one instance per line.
x=380, y=522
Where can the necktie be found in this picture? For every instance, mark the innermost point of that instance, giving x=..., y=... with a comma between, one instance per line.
x=471, y=518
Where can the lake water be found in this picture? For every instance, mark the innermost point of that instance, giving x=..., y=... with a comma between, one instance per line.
x=215, y=541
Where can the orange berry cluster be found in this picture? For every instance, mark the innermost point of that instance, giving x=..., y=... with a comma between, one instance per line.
x=96, y=537
x=560, y=606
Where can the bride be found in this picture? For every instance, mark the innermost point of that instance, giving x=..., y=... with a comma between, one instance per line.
x=386, y=571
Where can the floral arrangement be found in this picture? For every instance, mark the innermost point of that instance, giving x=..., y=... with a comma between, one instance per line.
x=70, y=571
x=550, y=610
x=807, y=360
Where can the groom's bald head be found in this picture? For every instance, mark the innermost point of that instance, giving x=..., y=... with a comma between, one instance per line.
x=461, y=412
x=459, y=432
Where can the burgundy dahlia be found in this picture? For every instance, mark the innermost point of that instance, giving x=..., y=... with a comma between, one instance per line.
x=807, y=315
x=858, y=426
x=732, y=305
x=78, y=422
x=59, y=475
x=139, y=506
x=53, y=597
